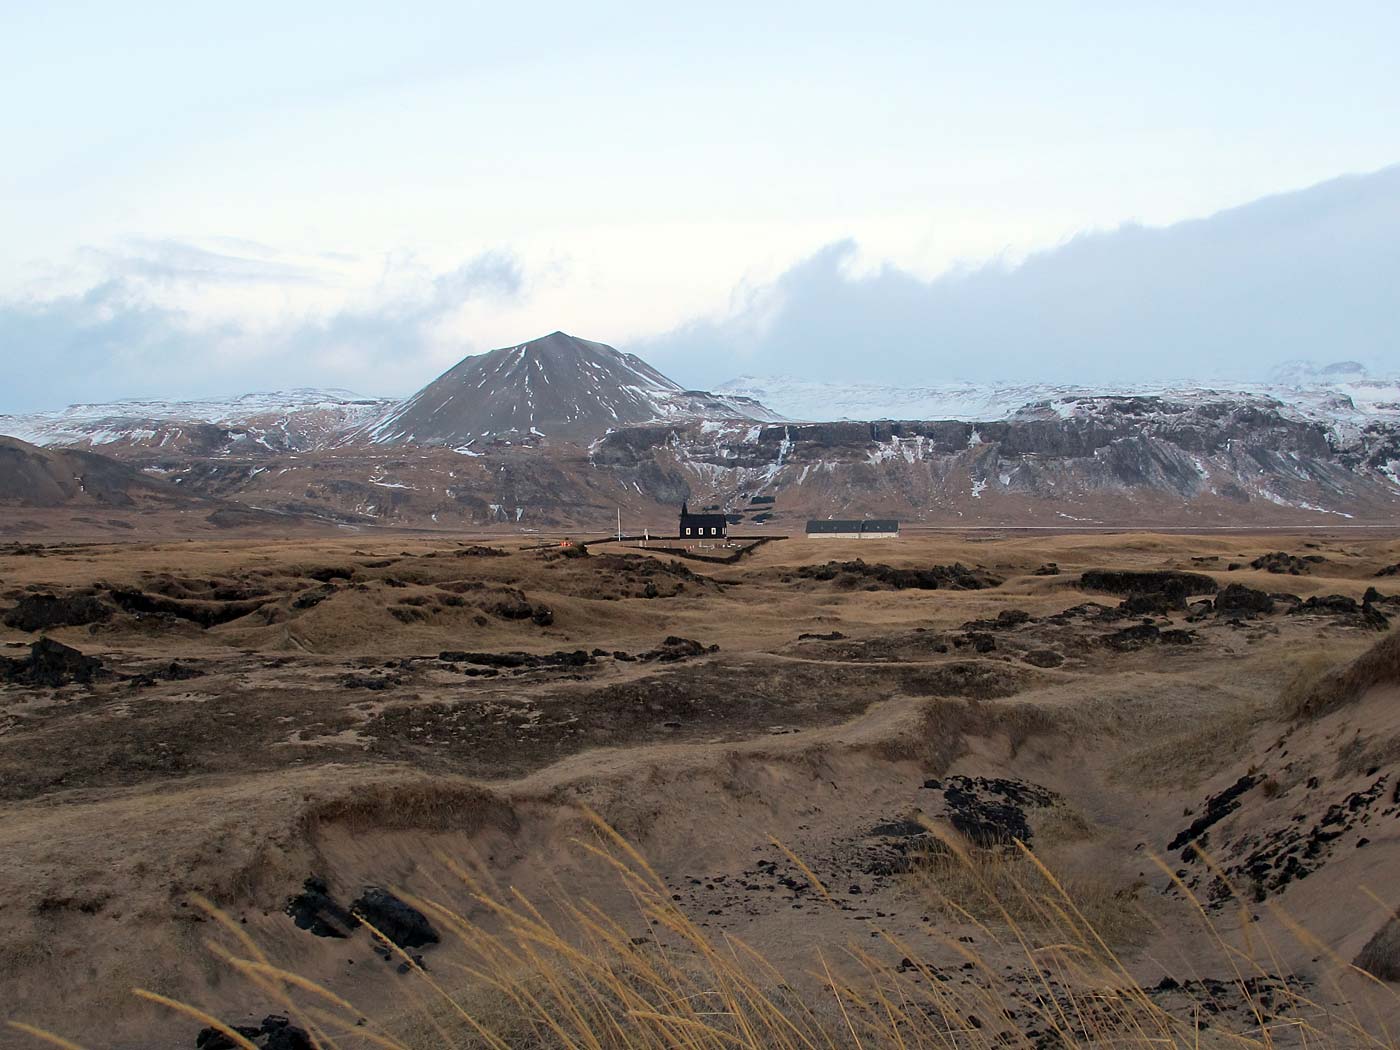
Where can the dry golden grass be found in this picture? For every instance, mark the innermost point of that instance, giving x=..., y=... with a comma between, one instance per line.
x=1381, y=954
x=1211, y=741
x=430, y=804
x=1204, y=749
x=581, y=982
x=1328, y=690
x=940, y=737
x=1007, y=885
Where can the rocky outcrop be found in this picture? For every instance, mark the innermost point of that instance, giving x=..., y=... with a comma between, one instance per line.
x=41, y=612
x=52, y=664
x=1238, y=600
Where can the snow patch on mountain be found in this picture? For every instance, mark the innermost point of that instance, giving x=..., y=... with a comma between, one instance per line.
x=145, y=421
x=1342, y=396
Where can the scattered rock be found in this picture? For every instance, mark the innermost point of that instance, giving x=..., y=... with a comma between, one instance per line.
x=1286, y=564
x=1132, y=638
x=1348, y=611
x=364, y=681
x=314, y=910
x=1004, y=620
x=1155, y=603
x=990, y=812
x=518, y=661
x=1329, y=603
x=309, y=599
x=327, y=573
x=1217, y=808
x=1048, y=569
x=274, y=1033
x=979, y=640
x=173, y=672
x=674, y=648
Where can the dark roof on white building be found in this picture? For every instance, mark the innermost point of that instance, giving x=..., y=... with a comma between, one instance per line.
x=853, y=525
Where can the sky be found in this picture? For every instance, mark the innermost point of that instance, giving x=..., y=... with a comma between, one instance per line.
x=209, y=199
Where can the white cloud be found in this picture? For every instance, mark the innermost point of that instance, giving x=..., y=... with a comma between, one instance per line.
x=1309, y=274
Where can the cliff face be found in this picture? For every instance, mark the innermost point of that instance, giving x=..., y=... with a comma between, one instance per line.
x=1133, y=459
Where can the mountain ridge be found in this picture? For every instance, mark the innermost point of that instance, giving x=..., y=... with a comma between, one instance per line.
x=562, y=431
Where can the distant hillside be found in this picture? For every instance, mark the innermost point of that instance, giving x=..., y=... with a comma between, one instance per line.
x=38, y=477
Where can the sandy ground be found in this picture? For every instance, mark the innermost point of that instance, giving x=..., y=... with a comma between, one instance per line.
x=360, y=708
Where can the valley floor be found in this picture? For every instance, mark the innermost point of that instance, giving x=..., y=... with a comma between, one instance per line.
x=784, y=739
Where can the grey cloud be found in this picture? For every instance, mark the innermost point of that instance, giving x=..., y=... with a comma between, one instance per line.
x=495, y=274
x=1309, y=274
x=110, y=342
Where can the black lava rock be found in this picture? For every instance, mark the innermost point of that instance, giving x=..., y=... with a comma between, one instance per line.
x=1239, y=600
x=401, y=923
x=314, y=910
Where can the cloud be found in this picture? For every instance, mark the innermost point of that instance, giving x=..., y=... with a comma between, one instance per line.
x=113, y=340
x=1309, y=274
x=179, y=262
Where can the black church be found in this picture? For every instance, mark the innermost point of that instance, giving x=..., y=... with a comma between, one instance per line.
x=706, y=526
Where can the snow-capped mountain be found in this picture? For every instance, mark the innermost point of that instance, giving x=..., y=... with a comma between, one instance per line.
x=558, y=386
x=1342, y=397
x=274, y=421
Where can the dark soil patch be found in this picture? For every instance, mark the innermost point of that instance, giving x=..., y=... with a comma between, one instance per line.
x=42, y=612
x=1165, y=582
x=957, y=577
x=204, y=613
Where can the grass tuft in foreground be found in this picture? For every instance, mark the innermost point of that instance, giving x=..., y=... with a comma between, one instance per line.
x=580, y=980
